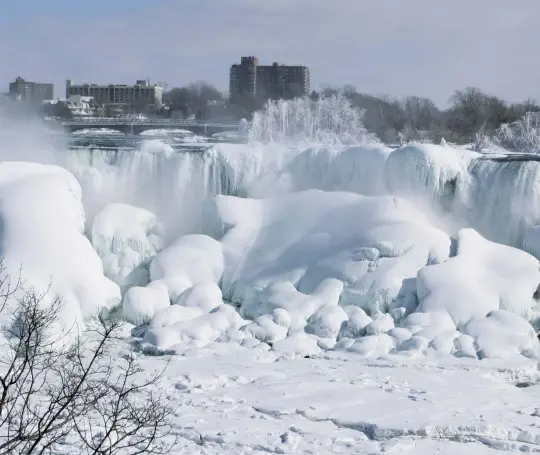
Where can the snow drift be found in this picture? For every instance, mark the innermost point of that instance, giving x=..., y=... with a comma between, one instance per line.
x=42, y=221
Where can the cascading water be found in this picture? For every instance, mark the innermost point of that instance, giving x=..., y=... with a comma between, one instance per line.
x=175, y=184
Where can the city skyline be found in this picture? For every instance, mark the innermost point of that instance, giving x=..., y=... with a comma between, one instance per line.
x=388, y=47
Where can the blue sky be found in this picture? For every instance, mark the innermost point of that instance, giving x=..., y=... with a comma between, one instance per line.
x=395, y=47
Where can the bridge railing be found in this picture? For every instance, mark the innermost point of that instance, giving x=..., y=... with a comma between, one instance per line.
x=156, y=122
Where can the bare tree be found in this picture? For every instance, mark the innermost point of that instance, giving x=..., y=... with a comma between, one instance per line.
x=61, y=387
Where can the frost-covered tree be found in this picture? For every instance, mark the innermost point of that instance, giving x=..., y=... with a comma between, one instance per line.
x=329, y=120
x=523, y=135
x=61, y=392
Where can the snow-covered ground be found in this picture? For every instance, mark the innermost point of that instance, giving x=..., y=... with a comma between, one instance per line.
x=229, y=399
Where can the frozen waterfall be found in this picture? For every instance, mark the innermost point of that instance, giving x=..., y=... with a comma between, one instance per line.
x=498, y=196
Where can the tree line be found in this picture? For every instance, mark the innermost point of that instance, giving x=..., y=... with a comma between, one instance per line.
x=470, y=112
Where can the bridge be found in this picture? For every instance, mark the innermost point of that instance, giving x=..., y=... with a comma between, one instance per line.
x=136, y=127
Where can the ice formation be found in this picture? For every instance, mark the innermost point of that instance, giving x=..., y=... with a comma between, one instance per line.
x=482, y=277
x=321, y=240
x=43, y=222
x=126, y=238
x=315, y=270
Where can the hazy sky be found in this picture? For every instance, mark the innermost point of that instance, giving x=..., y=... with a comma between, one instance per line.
x=395, y=47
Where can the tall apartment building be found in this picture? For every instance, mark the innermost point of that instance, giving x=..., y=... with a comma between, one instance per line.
x=142, y=93
x=34, y=92
x=268, y=82
x=243, y=78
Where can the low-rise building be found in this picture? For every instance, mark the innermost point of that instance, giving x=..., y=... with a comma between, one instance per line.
x=141, y=94
x=34, y=92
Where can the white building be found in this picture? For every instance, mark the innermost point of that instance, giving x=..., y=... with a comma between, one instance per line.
x=80, y=106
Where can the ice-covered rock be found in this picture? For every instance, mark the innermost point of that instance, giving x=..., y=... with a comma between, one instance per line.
x=42, y=220
x=198, y=331
x=300, y=343
x=464, y=347
x=189, y=260
x=481, y=278
x=265, y=329
x=415, y=345
x=203, y=295
x=141, y=303
x=327, y=322
x=283, y=295
x=173, y=314
x=373, y=345
x=502, y=335
x=357, y=321
x=381, y=323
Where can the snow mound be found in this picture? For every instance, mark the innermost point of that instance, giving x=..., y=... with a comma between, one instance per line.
x=142, y=303
x=42, y=221
x=375, y=246
x=126, y=238
x=189, y=260
x=315, y=271
x=192, y=328
x=481, y=278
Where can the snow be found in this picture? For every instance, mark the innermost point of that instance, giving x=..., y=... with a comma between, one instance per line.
x=43, y=232
x=327, y=299
x=267, y=242
x=197, y=331
x=369, y=275
x=95, y=131
x=232, y=399
x=189, y=260
x=167, y=132
x=482, y=277
x=140, y=304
